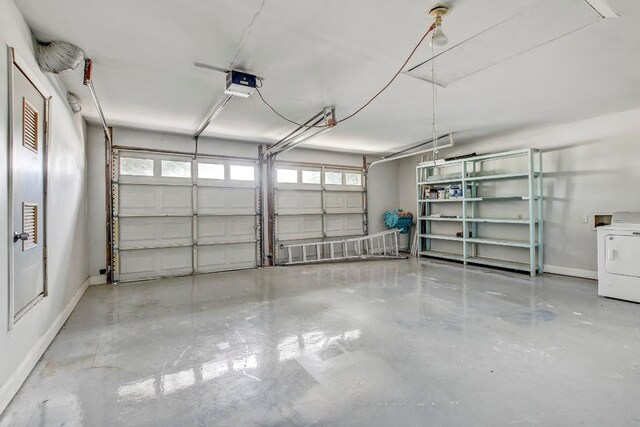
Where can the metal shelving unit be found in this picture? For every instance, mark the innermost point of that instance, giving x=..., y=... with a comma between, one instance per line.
x=470, y=177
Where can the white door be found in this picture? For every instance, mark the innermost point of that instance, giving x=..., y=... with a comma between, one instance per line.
x=317, y=203
x=623, y=254
x=175, y=216
x=28, y=147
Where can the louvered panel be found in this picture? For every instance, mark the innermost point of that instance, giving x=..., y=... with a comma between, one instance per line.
x=30, y=225
x=29, y=126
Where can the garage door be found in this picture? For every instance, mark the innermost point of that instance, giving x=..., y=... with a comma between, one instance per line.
x=317, y=203
x=175, y=216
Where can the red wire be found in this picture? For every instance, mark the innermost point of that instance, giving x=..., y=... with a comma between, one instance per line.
x=394, y=77
x=370, y=100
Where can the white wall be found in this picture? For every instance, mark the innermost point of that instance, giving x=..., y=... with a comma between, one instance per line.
x=382, y=189
x=21, y=347
x=590, y=166
x=383, y=193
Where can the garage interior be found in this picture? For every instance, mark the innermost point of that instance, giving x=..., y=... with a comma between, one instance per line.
x=329, y=213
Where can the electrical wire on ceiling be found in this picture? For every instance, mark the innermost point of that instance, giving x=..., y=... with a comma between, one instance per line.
x=366, y=104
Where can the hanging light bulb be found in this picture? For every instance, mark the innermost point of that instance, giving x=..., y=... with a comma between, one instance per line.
x=438, y=39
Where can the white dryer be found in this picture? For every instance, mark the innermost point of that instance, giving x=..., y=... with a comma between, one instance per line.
x=619, y=257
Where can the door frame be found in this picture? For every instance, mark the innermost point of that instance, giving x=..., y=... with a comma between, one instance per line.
x=14, y=59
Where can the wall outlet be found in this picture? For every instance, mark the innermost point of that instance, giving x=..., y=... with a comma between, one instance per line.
x=584, y=219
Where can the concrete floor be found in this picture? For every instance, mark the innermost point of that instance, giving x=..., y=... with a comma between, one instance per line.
x=409, y=343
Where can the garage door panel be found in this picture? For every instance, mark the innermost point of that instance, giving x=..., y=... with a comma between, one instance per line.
x=226, y=228
x=136, y=232
x=149, y=263
x=149, y=199
x=337, y=202
x=226, y=201
x=344, y=225
x=226, y=257
x=299, y=202
x=299, y=227
x=155, y=217
x=137, y=198
x=312, y=208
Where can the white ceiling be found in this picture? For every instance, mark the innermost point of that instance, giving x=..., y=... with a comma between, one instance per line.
x=334, y=52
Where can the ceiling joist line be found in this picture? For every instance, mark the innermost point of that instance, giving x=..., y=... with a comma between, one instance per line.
x=88, y=82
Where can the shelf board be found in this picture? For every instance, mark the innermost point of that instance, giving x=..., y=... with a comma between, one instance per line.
x=483, y=220
x=426, y=218
x=480, y=199
x=497, y=177
x=481, y=240
x=498, y=198
x=441, y=237
x=499, y=220
x=503, y=155
x=442, y=181
x=500, y=242
x=442, y=255
x=441, y=200
x=492, y=262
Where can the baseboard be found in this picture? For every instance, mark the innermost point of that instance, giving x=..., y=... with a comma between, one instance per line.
x=98, y=280
x=14, y=382
x=573, y=272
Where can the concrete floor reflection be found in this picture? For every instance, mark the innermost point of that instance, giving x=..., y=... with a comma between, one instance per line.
x=409, y=343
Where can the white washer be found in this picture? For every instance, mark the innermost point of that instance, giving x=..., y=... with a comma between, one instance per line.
x=619, y=257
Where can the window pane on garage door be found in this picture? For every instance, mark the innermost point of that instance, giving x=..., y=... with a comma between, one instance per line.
x=210, y=171
x=176, y=169
x=136, y=167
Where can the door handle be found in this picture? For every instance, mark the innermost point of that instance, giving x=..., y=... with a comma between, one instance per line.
x=611, y=254
x=20, y=236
